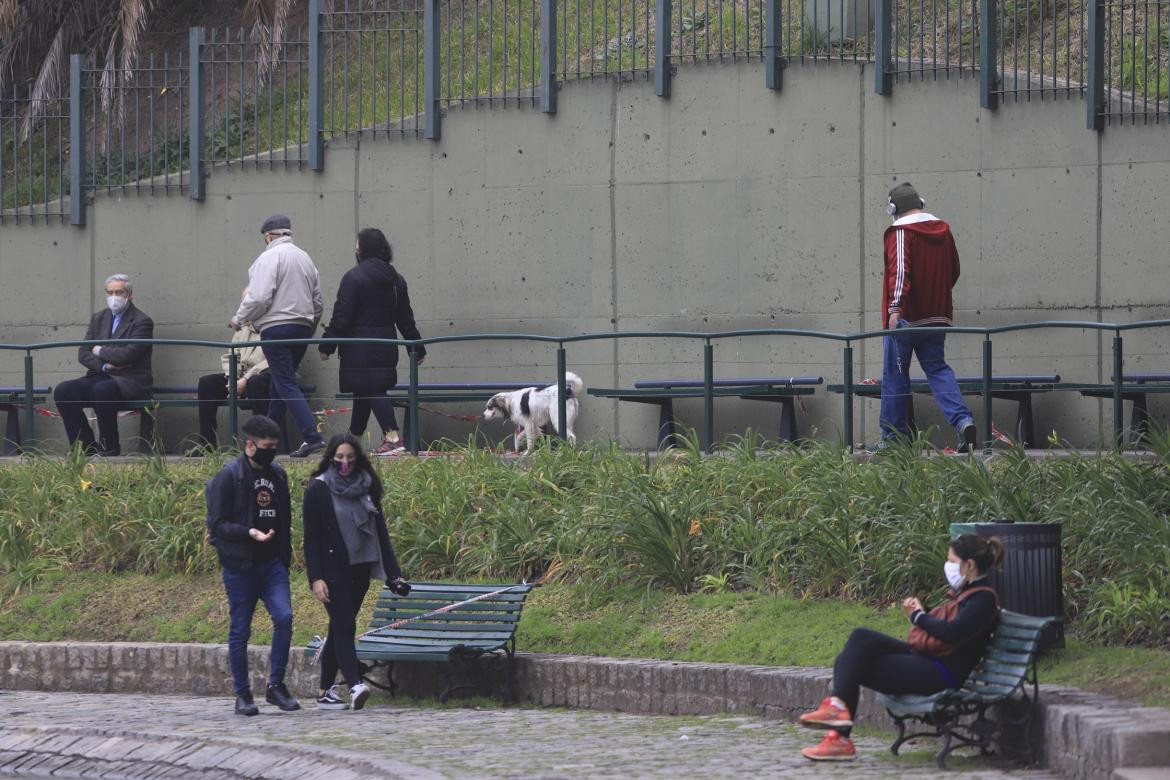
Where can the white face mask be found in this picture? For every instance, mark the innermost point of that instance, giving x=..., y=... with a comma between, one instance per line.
x=117, y=304
x=954, y=578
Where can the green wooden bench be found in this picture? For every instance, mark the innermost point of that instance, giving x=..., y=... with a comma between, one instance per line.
x=1135, y=388
x=466, y=638
x=12, y=400
x=1001, y=680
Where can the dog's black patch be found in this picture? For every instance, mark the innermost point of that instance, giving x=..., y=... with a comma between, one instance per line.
x=525, y=409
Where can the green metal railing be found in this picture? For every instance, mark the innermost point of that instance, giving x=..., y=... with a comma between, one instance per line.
x=847, y=341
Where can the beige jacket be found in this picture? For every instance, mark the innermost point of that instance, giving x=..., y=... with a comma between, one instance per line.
x=250, y=361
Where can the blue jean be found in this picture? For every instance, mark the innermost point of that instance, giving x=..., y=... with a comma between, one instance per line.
x=266, y=581
x=282, y=367
x=929, y=347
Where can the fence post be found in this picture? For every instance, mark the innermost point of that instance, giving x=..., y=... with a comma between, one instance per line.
x=986, y=422
x=412, y=396
x=1118, y=418
x=76, y=142
x=233, y=395
x=198, y=188
x=709, y=396
x=316, y=90
x=1095, y=99
x=883, y=83
x=548, y=56
x=988, y=78
x=431, y=74
x=30, y=413
x=662, y=48
x=773, y=68
x=847, y=375
x=562, y=424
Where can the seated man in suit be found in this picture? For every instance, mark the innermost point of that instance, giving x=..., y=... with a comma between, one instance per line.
x=117, y=372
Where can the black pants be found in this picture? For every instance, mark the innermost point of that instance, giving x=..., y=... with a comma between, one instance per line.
x=382, y=407
x=213, y=393
x=883, y=664
x=102, y=394
x=345, y=600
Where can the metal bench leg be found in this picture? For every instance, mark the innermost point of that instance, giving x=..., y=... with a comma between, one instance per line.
x=788, y=431
x=1025, y=426
x=666, y=424
x=12, y=431
x=1139, y=421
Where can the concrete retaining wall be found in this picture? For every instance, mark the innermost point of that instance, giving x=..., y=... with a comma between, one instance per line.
x=726, y=206
x=1082, y=735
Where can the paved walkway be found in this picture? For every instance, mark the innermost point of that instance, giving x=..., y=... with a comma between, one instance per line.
x=137, y=737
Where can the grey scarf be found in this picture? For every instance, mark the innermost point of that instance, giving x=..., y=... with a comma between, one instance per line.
x=355, y=513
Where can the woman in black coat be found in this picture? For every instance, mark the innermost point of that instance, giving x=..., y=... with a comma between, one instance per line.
x=346, y=545
x=372, y=302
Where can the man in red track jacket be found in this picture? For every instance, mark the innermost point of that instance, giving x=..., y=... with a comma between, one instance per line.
x=922, y=265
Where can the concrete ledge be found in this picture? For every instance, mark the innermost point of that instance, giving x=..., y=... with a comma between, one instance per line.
x=1082, y=735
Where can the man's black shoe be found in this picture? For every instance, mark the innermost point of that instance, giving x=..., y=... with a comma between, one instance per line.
x=245, y=705
x=968, y=438
x=308, y=448
x=278, y=695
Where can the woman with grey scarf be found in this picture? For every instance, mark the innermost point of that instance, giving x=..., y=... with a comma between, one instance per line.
x=346, y=546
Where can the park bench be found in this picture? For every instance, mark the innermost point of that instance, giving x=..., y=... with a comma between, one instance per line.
x=662, y=393
x=447, y=392
x=464, y=638
x=1135, y=388
x=12, y=401
x=184, y=396
x=1009, y=387
x=1001, y=680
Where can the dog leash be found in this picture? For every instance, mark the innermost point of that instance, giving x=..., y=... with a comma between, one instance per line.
x=432, y=613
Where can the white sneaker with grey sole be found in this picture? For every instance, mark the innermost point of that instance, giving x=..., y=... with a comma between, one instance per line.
x=358, y=695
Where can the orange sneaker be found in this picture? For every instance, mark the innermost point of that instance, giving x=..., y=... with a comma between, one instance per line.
x=827, y=716
x=833, y=747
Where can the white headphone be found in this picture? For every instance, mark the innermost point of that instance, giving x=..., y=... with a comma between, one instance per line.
x=891, y=209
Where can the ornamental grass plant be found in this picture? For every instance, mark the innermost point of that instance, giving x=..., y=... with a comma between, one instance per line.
x=809, y=521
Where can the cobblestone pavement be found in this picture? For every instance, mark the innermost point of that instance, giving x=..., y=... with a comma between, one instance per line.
x=387, y=740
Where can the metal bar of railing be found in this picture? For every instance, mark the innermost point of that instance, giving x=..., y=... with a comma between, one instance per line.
x=883, y=81
x=708, y=396
x=562, y=400
x=1095, y=99
x=988, y=78
x=431, y=68
x=30, y=412
x=847, y=378
x=773, y=70
x=662, y=46
x=76, y=141
x=195, y=113
x=1118, y=365
x=316, y=87
x=412, y=396
x=548, y=56
x=233, y=403
x=985, y=423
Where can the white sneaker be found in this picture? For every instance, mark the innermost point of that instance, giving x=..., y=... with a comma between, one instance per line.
x=331, y=700
x=358, y=695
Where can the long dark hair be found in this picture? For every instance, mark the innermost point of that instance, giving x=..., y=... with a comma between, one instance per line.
x=362, y=463
x=372, y=242
x=985, y=552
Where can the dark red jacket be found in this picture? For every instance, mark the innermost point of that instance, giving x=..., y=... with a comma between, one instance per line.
x=922, y=265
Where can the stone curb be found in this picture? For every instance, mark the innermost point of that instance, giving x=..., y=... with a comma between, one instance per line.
x=1081, y=735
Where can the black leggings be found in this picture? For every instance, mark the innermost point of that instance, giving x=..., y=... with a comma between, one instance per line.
x=345, y=600
x=883, y=664
x=383, y=409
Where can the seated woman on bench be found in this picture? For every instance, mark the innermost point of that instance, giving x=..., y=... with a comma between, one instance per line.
x=945, y=644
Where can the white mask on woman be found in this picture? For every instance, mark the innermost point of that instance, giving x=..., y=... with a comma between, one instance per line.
x=954, y=578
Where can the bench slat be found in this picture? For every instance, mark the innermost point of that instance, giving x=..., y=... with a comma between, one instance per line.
x=449, y=617
x=487, y=605
x=461, y=591
x=430, y=644
x=746, y=381
x=426, y=625
x=431, y=636
x=985, y=676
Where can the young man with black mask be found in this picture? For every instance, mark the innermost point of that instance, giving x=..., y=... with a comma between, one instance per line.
x=249, y=519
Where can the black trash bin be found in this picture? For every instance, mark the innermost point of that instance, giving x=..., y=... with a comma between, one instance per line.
x=1029, y=580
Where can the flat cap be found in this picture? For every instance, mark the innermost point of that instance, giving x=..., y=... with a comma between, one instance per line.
x=276, y=223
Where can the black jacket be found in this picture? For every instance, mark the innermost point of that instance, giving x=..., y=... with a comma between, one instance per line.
x=371, y=302
x=135, y=380
x=230, y=514
x=325, y=555
x=973, y=624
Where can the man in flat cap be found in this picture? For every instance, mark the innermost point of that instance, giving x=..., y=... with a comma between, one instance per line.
x=284, y=301
x=921, y=267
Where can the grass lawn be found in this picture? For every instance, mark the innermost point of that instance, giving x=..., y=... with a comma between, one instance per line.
x=634, y=622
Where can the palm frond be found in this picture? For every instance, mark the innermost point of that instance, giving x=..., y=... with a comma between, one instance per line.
x=47, y=86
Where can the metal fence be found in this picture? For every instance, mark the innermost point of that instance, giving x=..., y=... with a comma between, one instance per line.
x=34, y=153
x=1116, y=387
x=389, y=67
x=135, y=128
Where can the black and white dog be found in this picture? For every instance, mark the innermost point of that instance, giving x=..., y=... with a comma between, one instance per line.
x=535, y=407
